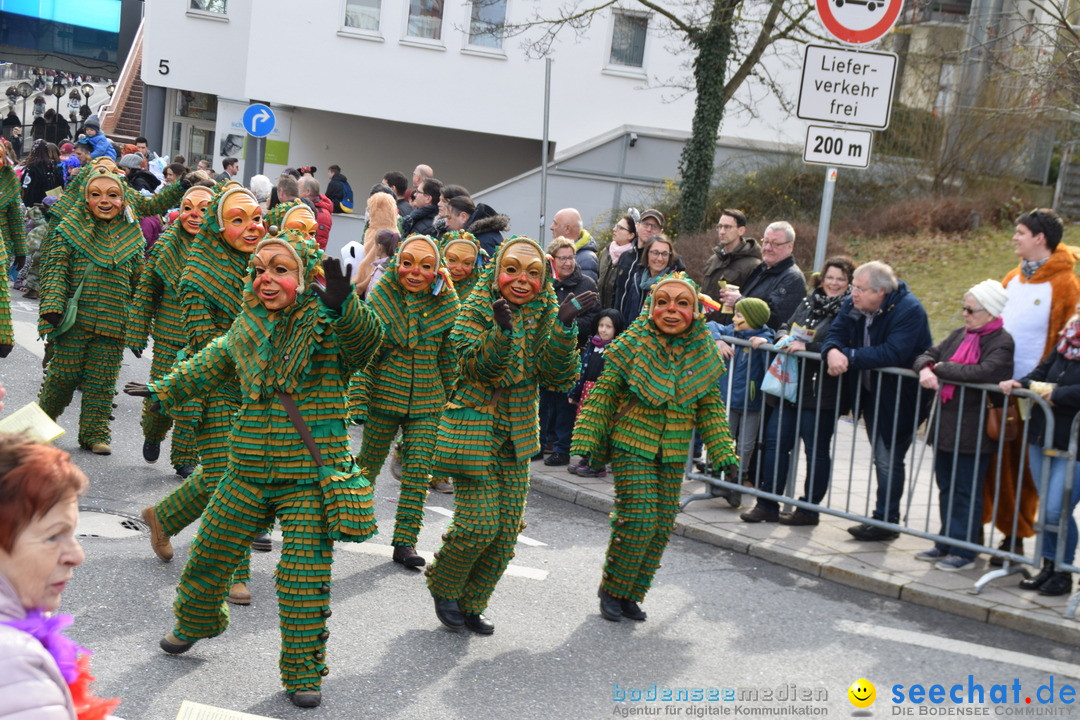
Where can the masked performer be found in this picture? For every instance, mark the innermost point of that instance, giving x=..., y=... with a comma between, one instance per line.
x=157, y=311
x=410, y=381
x=464, y=258
x=292, y=344
x=84, y=305
x=511, y=337
x=659, y=383
x=211, y=288
x=293, y=215
x=13, y=235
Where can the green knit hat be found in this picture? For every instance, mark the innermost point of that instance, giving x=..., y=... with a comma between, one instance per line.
x=754, y=311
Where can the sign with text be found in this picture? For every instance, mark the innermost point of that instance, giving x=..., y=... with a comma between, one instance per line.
x=847, y=87
x=846, y=147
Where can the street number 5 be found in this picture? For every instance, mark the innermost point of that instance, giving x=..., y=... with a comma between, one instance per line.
x=163, y=67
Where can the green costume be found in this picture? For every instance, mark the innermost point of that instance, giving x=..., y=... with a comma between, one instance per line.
x=104, y=258
x=491, y=431
x=407, y=386
x=211, y=293
x=13, y=233
x=654, y=390
x=157, y=311
x=309, y=352
x=464, y=287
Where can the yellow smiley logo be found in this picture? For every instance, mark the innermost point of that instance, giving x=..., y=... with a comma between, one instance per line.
x=862, y=693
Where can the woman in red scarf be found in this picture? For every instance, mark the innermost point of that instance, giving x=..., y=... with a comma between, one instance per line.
x=979, y=352
x=1057, y=379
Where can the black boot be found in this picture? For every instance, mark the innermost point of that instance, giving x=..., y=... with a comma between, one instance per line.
x=1037, y=582
x=1060, y=583
x=610, y=606
x=151, y=451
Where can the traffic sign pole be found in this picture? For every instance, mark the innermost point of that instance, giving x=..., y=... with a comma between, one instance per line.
x=254, y=152
x=825, y=218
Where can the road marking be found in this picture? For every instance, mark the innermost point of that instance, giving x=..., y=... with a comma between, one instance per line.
x=450, y=513
x=387, y=551
x=982, y=652
x=26, y=336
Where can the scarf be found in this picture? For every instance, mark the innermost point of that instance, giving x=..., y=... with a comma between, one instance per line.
x=1069, y=345
x=822, y=307
x=969, y=351
x=599, y=342
x=1030, y=267
x=616, y=251
x=647, y=280
x=72, y=660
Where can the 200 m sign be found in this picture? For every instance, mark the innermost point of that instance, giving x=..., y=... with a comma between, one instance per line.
x=826, y=145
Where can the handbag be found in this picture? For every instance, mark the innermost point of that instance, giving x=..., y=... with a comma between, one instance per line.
x=1003, y=421
x=71, y=309
x=782, y=377
x=348, y=496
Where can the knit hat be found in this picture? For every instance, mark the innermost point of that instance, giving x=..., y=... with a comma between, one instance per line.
x=67, y=148
x=991, y=295
x=132, y=161
x=92, y=122
x=754, y=311
x=655, y=215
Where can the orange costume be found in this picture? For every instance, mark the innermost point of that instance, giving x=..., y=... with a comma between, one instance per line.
x=1038, y=308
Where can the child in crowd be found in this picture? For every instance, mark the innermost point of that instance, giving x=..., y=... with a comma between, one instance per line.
x=101, y=145
x=609, y=323
x=743, y=399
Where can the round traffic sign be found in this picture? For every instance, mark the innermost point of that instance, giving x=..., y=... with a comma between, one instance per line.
x=258, y=120
x=857, y=22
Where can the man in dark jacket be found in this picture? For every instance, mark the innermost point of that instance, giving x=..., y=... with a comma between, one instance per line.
x=425, y=200
x=567, y=224
x=880, y=325
x=487, y=226
x=556, y=412
x=777, y=280
x=732, y=261
x=335, y=188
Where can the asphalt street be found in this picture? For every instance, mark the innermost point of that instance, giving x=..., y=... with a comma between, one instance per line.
x=721, y=624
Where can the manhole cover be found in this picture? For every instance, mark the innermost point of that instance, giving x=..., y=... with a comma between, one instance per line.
x=96, y=524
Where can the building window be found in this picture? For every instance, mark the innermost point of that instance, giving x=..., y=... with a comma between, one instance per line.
x=487, y=19
x=363, y=14
x=212, y=6
x=628, y=39
x=425, y=19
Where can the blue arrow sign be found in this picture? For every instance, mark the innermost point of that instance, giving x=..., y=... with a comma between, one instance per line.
x=259, y=120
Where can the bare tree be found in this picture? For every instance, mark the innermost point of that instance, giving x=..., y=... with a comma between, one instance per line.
x=726, y=40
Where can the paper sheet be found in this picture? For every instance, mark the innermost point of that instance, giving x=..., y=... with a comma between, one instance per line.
x=196, y=711
x=33, y=421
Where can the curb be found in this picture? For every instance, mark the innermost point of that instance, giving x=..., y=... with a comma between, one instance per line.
x=844, y=570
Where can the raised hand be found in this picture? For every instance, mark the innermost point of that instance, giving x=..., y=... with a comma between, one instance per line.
x=574, y=305
x=500, y=311
x=337, y=284
x=137, y=389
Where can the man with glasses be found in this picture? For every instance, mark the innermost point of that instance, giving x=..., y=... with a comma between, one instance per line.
x=777, y=280
x=1043, y=290
x=425, y=200
x=567, y=224
x=556, y=412
x=881, y=325
x=732, y=261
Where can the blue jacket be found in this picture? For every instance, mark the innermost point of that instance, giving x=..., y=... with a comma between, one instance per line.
x=103, y=147
x=747, y=368
x=899, y=333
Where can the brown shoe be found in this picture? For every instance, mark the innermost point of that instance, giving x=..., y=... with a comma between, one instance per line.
x=441, y=485
x=759, y=514
x=100, y=448
x=406, y=555
x=798, y=517
x=159, y=540
x=239, y=594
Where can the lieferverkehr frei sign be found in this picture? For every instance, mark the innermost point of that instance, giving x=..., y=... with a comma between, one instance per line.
x=847, y=87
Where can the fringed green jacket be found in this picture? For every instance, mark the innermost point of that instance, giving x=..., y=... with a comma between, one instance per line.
x=654, y=390
x=156, y=306
x=306, y=350
x=12, y=221
x=501, y=372
x=414, y=371
x=105, y=256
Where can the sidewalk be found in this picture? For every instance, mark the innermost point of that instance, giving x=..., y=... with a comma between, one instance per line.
x=829, y=552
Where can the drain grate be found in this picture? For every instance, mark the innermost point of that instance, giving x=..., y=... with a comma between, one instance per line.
x=98, y=524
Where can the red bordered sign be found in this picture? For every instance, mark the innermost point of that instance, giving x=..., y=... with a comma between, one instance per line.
x=857, y=22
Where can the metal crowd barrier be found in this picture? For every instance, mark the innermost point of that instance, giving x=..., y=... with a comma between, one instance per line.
x=852, y=484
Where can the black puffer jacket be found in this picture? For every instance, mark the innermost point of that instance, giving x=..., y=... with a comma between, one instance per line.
x=577, y=283
x=487, y=226
x=420, y=221
x=1066, y=398
x=782, y=286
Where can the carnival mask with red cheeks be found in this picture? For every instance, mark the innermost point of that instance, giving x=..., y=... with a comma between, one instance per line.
x=673, y=307
x=192, y=208
x=105, y=197
x=277, y=275
x=302, y=220
x=460, y=259
x=520, y=273
x=417, y=265
x=241, y=222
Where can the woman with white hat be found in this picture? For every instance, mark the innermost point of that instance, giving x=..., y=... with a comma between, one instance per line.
x=979, y=352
